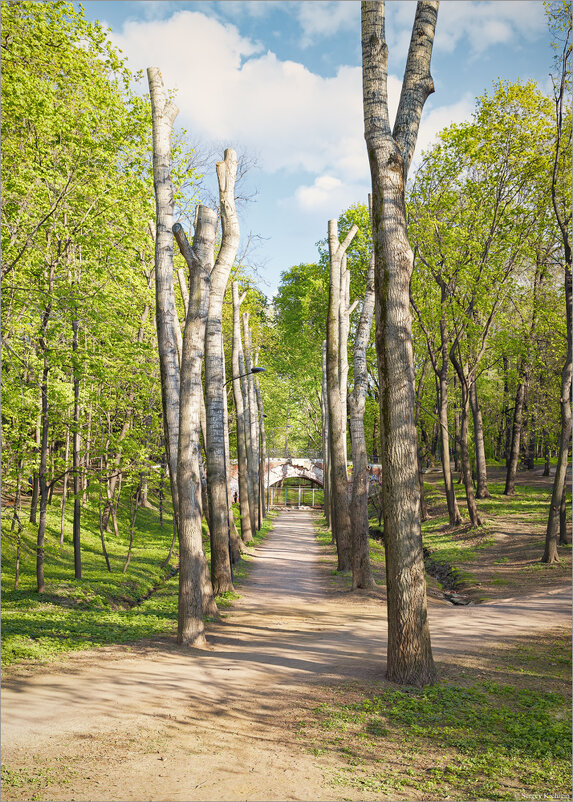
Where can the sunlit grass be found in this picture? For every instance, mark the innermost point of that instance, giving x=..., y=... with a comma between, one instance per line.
x=103, y=607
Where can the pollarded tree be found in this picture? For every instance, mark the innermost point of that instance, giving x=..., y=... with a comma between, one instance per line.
x=361, y=570
x=215, y=378
x=390, y=153
x=192, y=563
x=337, y=425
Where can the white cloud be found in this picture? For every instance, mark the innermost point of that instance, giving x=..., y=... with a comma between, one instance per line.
x=484, y=24
x=228, y=90
x=324, y=18
x=319, y=194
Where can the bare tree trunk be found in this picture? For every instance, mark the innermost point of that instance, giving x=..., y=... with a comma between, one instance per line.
x=164, y=113
x=261, y=458
x=515, y=438
x=215, y=379
x=100, y=520
x=235, y=542
x=86, y=460
x=192, y=565
x=253, y=439
x=35, y=481
x=76, y=464
x=344, y=327
x=242, y=467
x=339, y=488
x=465, y=458
x=65, y=487
x=325, y=441
x=248, y=438
x=563, y=216
x=42, y=472
x=390, y=152
x=361, y=570
x=481, y=467
x=453, y=510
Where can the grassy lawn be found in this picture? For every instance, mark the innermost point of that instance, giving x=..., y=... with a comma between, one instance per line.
x=503, y=733
x=103, y=607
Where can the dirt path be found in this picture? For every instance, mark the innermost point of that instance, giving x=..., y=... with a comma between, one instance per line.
x=159, y=722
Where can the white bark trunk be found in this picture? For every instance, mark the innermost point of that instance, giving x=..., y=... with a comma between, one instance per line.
x=191, y=557
x=339, y=486
x=409, y=651
x=242, y=467
x=215, y=379
x=164, y=113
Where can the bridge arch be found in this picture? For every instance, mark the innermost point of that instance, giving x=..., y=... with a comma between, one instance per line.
x=295, y=469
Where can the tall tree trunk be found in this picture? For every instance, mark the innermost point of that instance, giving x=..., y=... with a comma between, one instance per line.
x=35, y=480
x=466, y=469
x=251, y=422
x=261, y=417
x=375, y=437
x=192, y=605
x=242, y=467
x=215, y=379
x=164, y=113
x=390, y=152
x=235, y=542
x=453, y=510
x=344, y=328
x=339, y=489
x=325, y=442
x=76, y=463
x=513, y=456
x=44, y=429
x=65, y=487
x=563, y=214
x=42, y=476
x=481, y=467
x=361, y=569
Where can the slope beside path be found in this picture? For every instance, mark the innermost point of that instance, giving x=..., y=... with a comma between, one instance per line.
x=160, y=722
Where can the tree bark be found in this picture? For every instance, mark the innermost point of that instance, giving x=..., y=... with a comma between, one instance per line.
x=215, y=379
x=563, y=216
x=251, y=422
x=465, y=465
x=410, y=658
x=242, y=467
x=481, y=467
x=339, y=488
x=76, y=465
x=325, y=442
x=361, y=569
x=191, y=605
x=261, y=457
x=164, y=113
x=65, y=487
x=513, y=457
x=344, y=328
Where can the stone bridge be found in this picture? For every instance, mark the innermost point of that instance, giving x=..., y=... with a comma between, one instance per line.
x=277, y=469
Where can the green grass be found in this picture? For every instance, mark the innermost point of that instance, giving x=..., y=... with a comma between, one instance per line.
x=485, y=740
x=101, y=608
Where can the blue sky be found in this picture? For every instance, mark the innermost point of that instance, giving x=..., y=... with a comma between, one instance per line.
x=281, y=82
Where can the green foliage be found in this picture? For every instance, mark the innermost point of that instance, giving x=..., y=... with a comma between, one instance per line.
x=482, y=739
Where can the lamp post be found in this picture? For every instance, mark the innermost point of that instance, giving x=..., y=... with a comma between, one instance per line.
x=253, y=370
x=268, y=467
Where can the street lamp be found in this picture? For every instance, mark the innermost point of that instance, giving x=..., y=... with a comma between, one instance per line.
x=248, y=373
x=252, y=370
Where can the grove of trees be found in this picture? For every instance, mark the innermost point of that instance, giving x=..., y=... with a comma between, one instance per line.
x=433, y=328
